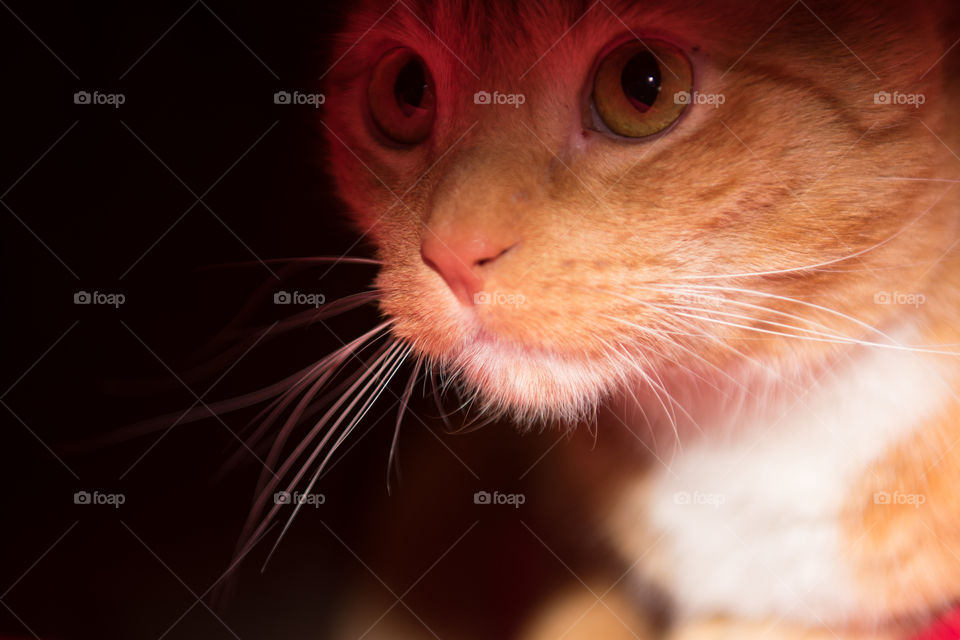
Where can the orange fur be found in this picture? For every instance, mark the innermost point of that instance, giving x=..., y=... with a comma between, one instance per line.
x=772, y=222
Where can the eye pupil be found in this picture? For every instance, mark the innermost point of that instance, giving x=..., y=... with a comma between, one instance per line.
x=632, y=97
x=411, y=85
x=641, y=80
x=401, y=97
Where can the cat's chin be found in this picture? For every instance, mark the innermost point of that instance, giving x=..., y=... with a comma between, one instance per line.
x=529, y=385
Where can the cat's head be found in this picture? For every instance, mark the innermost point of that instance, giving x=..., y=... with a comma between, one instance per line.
x=571, y=198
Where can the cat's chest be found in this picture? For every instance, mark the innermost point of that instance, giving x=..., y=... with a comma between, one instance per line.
x=755, y=525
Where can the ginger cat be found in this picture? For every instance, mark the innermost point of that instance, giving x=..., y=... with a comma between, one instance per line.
x=733, y=228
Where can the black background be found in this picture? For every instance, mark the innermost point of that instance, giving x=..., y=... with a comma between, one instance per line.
x=105, y=199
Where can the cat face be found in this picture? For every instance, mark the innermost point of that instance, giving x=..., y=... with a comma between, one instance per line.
x=572, y=201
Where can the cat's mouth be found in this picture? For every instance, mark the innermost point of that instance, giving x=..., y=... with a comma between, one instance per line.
x=531, y=355
x=527, y=382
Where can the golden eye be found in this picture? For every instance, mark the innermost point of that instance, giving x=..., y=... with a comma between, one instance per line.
x=401, y=95
x=642, y=87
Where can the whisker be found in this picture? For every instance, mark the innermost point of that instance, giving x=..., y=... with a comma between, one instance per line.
x=687, y=291
x=373, y=369
x=893, y=344
x=697, y=331
x=671, y=415
x=381, y=380
x=795, y=336
x=480, y=419
x=436, y=399
x=662, y=386
x=755, y=319
x=323, y=370
x=675, y=343
x=915, y=179
x=296, y=321
x=240, y=319
x=296, y=415
x=230, y=405
x=655, y=387
x=815, y=266
x=692, y=353
x=392, y=459
x=218, y=408
x=370, y=378
x=300, y=260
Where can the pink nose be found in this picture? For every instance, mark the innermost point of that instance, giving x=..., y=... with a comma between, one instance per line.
x=459, y=259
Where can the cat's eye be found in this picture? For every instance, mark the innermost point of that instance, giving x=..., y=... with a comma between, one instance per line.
x=401, y=95
x=641, y=87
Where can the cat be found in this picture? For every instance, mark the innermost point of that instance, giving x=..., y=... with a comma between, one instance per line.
x=730, y=230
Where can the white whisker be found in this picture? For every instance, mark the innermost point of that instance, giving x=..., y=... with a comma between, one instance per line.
x=404, y=400
x=371, y=373
x=381, y=379
x=892, y=344
x=815, y=266
x=915, y=179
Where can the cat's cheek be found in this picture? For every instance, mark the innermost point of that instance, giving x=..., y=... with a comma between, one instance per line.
x=422, y=312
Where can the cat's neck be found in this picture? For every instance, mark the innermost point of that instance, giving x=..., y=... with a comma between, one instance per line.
x=779, y=492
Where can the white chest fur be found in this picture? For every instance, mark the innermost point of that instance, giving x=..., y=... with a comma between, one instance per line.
x=750, y=525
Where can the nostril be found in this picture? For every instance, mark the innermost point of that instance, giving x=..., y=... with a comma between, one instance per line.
x=482, y=261
x=459, y=259
x=427, y=260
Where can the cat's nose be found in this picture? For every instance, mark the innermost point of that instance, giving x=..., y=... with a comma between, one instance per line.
x=460, y=260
